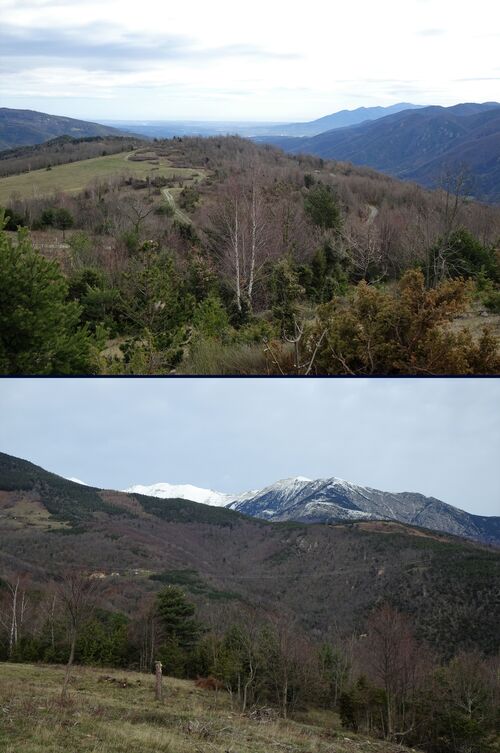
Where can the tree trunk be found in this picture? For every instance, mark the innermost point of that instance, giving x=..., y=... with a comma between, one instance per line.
x=244, y=700
x=159, y=677
x=13, y=624
x=254, y=246
x=389, y=717
x=69, y=665
x=152, y=646
x=52, y=613
x=237, y=257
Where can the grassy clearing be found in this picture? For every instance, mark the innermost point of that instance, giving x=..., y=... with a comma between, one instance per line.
x=73, y=177
x=29, y=512
x=100, y=717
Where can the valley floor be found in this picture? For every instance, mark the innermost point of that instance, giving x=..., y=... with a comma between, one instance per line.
x=105, y=717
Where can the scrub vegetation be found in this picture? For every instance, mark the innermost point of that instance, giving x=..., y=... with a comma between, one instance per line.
x=219, y=256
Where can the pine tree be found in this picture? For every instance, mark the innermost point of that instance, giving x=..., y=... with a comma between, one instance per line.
x=322, y=208
x=286, y=292
x=210, y=318
x=63, y=220
x=40, y=330
x=176, y=617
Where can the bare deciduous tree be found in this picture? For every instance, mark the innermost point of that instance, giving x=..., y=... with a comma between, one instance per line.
x=393, y=656
x=239, y=236
x=455, y=185
x=13, y=614
x=78, y=593
x=363, y=248
x=305, y=351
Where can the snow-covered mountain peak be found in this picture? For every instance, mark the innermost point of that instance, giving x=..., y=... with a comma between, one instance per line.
x=183, y=491
x=292, y=481
x=340, y=482
x=333, y=500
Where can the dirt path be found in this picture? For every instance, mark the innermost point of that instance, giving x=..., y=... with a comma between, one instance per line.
x=374, y=212
x=178, y=213
x=182, y=216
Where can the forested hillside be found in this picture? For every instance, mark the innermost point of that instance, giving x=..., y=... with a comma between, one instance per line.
x=26, y=127
x=62, y=150
x=220, y=256
x=423, y=144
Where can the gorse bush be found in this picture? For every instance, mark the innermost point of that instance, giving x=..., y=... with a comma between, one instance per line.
x=378, y=332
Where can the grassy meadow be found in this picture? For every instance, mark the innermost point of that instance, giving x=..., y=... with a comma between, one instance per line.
x=106, y=717
x=75, y=176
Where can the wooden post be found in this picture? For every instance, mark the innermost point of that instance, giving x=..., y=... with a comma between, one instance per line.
x=158, y=671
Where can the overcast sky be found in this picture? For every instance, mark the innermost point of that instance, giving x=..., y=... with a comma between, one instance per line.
x=437, y=437
x=228, y=59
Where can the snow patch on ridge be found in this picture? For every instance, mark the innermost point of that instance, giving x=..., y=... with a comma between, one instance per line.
x=182, y=491
x=77, y=481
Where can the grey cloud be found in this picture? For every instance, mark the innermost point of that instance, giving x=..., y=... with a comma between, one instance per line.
x=77, y=45
x=88, y=47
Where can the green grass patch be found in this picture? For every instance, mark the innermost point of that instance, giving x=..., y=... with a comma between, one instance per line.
x=74, y=177
x=104, y=717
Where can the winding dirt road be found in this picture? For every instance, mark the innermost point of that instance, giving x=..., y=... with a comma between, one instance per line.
x=182, y=216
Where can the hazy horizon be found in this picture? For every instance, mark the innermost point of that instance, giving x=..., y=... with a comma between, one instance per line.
x=240, y=121
x=440, y=437
x=274, y=62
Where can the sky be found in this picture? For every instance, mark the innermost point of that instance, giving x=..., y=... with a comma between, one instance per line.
x=282, y=60
x=437, y=437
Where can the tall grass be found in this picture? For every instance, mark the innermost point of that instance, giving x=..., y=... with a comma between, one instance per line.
x=210, y=357
x=104, y=717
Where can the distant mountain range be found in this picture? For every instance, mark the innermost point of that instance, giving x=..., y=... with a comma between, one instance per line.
x=342, y=119
x=334, y=500
x=258, y=131
x=28, y=127
x=419, y=144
